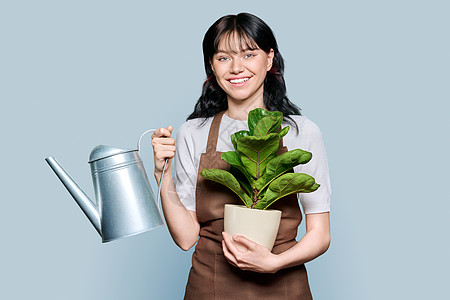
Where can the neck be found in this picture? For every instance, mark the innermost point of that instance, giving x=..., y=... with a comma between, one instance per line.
x=238, y=110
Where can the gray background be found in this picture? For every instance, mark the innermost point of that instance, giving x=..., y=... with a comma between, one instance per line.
x=374, y=75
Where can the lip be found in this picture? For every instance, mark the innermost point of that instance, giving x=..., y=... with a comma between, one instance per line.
x=240, y=83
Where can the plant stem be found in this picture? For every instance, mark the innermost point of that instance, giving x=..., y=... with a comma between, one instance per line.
x=255, y=197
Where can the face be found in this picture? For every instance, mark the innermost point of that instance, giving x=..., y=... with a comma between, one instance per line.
x=241, y=72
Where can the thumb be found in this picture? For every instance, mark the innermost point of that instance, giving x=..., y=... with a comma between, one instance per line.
x=244, y=241
x=170, y=128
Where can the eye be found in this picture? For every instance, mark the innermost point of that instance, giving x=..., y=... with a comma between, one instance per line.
x=223, y=58
x=249, y=55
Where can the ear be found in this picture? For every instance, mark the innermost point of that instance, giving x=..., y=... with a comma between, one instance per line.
x=270, y=56
x=212, y=66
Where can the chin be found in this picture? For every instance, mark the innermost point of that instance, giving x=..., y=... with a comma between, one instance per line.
x=239, y=96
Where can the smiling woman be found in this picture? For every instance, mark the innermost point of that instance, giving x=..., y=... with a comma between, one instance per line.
x=235, y=39
x=244, y=71
x=241, y=72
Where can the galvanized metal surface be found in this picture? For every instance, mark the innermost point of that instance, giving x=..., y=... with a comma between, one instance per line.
x=125, y=204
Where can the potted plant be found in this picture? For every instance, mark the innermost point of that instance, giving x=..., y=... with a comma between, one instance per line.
x=260, y=177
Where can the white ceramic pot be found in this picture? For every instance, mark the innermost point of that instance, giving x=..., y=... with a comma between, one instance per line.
x=260, y=226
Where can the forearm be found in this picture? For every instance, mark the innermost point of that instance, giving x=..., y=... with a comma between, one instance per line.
x=182, y=223
x=313, y=244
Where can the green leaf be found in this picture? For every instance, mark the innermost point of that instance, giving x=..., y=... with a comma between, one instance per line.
x=228, y=180
x=257, y=114
x=237, y=135
x=257, y=152
x=242, y=181
x=287, y=184
x=266, y=125
x=281, y=164
x=233, y=158
x=283, y=131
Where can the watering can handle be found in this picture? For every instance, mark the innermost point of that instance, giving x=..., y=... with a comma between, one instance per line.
x=158, y=196
x=142, y=135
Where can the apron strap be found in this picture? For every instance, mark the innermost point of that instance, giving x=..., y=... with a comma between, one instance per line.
x=211, y=145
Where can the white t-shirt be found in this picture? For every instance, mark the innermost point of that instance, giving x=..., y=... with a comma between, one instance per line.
x=191, y=142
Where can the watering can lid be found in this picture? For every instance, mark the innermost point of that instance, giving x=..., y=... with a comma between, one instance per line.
x=103, y=151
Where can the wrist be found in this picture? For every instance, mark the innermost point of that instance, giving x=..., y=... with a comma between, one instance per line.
x=286, y=258
x=167, y=174
x=276, y=263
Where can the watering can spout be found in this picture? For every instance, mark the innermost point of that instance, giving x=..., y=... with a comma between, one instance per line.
x=85, y=203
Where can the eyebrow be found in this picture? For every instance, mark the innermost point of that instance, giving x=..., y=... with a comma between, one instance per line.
x=234, y=51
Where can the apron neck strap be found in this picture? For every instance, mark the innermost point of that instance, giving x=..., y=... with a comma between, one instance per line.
x=211, y=145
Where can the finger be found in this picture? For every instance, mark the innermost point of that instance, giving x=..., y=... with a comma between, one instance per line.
x=249, y=244
x=163, y=141
x=158, y=148
x=230, y=257
x=230, y=245
x=233, y=260
x=162, y=132
x=227, y=240
x=161, y=156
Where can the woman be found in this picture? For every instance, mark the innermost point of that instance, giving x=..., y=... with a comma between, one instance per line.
x=244, y=71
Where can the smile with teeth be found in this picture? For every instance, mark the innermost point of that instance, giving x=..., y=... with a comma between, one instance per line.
x=239, y=80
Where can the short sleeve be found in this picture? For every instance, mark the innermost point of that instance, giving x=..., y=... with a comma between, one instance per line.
x=312, y=141
x=185, y=178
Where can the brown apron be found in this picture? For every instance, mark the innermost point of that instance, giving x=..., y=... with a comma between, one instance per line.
x=211, y=276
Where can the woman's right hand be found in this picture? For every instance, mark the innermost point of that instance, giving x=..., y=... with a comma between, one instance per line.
x=163, y=147
x=182, y=223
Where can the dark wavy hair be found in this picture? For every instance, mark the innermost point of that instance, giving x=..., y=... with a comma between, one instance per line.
x=253, y=33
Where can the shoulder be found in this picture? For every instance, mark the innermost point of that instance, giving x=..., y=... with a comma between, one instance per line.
x=193, y=126
x=306, y=137
x=305, y=125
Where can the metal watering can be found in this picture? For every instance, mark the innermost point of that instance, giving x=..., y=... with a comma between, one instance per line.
x=125, y=203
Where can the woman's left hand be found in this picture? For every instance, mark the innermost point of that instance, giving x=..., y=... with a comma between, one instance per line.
x=255, y=258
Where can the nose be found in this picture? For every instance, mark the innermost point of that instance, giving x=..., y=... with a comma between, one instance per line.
x=236, y=66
